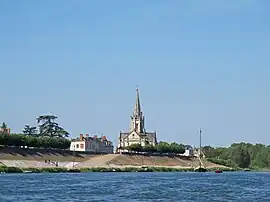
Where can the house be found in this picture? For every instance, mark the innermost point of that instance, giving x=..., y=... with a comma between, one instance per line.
x=189, y=151
x=137, y=133
x=5, y=130
x=92, y=144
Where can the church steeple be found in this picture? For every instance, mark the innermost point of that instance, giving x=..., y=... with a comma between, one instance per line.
x=137, y=106
x=137, y=118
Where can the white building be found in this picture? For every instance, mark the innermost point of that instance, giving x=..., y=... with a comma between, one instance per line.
x=189, y=151
x=92, y=144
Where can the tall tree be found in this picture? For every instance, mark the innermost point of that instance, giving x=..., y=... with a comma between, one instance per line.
x=242, y=158
x=49, y=127
x=31, y=131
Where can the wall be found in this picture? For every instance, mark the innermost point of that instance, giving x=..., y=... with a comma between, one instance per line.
x=93, y=146
x=133, y=138
x=77, y=146
x=97, y=146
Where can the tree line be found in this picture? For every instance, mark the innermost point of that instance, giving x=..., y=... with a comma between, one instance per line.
x=243, y=155
x=48, y=134
x=161, y=147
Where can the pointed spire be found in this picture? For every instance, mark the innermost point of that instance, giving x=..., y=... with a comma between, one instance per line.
x=137, y=107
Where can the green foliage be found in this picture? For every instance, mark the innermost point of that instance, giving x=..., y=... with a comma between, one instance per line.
x=100, y=169
x=53, y=170
x=5, y=169
x=135, y=147
x=31, y=131
x=243, y=155
x=18, y=140
x=161, y=147
x=50, y=135
x=229, y=163
x=149, y=148
x=164, y=147
x=49, y=127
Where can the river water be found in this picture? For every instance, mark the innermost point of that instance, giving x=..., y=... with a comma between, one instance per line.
x=71, y=187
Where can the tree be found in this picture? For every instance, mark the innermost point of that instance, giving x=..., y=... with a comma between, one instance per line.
x=241, y=158
x=60, y=132
x=49, y=127
x=18, y=140
x=163, y=147
x=135, y=147
x=244, y=155
x=30, y=131
x=177, y=148
x=149, y=148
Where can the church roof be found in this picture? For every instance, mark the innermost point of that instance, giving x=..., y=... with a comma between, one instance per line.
x=148, y=134
x=124, y=135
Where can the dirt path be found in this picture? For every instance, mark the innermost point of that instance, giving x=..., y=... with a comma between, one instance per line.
x=98, y=161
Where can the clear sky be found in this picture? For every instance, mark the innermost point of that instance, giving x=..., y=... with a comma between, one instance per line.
x=197, y=64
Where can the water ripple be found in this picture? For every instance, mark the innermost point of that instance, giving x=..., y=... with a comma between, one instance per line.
x=72, y=187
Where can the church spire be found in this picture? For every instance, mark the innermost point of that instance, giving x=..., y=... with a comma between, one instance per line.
x=137, y=107
x=137, y=118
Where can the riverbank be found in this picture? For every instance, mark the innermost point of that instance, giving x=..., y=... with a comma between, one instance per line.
x=5, y=169
x=45, y=160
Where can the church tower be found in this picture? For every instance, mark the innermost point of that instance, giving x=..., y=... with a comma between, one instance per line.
x=137, y=118
x=137, y=133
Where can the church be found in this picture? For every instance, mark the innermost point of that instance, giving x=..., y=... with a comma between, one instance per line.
x=137, y=133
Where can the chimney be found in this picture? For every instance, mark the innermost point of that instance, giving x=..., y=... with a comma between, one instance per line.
x=81, y=137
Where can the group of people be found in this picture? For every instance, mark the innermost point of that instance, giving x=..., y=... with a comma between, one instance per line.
x=53, y=162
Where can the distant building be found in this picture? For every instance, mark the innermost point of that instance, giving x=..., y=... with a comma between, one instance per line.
x=137, y=133
x=92, y=144
x=189, y=151
x=5, y=130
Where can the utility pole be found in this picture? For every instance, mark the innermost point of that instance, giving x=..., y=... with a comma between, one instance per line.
x=200, y=141
x=200, y=145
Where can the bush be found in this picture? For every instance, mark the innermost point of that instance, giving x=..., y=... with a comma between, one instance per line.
x=161, y=147
x=5, y=169
x=18, y=140
x=228, y=163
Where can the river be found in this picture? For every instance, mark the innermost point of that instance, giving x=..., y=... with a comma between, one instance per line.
x=116, y=187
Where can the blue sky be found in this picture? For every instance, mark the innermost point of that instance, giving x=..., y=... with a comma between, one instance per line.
x=197, y=64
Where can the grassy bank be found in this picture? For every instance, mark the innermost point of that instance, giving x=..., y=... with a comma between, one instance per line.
x=5, y=169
